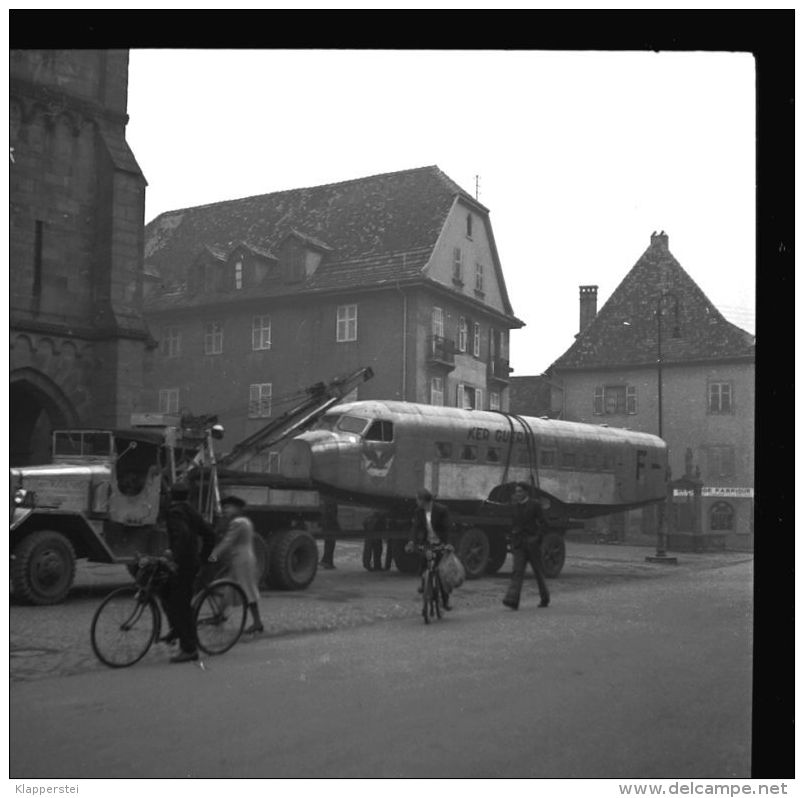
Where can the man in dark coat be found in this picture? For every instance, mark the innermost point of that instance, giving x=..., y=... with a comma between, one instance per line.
x=431, y=523
x=526, y=541
x=191, y=540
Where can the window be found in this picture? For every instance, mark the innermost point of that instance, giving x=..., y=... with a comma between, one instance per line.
x=259, y=400
x=381, y=431
x=479, y=277
x=438, y=322
x=469, y=397
x=721, y=517
x=721, y=461
x=492, y=455
x=347, y=323
x=213, y=338
x=169, y=400
x=548, y=458
x=238, y=275
x=469, y=452
x=436, y=390
x=463, y=333
x=476, y=344
x=494, y=400
x=443, y=450
x=171, y=342
x=352, y=424
x=261, y=332
x=720, y=397
x=568, y=459
x=615, y=400
x=468, y=225
x=457, y=265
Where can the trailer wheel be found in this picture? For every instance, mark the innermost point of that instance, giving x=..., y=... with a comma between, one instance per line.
x=406, y=563
x=473, y=550
x=498, y=551
x=294, y=560
x=553, y=554
x=43, y=568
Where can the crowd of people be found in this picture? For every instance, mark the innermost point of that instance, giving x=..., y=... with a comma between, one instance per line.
x=192, y=543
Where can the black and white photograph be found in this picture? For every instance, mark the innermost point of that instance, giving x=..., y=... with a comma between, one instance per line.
x=384, y=413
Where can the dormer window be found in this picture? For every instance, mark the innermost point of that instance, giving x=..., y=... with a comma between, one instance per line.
x=238, y=275
x=468, y=225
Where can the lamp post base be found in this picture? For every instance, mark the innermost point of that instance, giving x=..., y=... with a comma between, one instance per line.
x=662, y=559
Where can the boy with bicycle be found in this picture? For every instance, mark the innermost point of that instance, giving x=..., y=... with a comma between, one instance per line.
x=431, y=525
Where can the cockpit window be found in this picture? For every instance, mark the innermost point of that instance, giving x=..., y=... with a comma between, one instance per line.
x=381, y=431
x=328, y=421
x=352, y=424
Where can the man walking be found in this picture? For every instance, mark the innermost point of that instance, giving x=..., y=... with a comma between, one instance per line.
x=526, y=542
x=191, y=540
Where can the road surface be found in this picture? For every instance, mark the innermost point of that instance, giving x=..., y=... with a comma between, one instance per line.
x=645, y=675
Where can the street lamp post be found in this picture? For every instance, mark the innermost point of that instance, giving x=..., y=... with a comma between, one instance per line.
x=661, y=545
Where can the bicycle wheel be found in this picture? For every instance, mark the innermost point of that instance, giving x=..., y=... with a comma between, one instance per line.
x=437, y=594
x=123, y=627
x=220, y=615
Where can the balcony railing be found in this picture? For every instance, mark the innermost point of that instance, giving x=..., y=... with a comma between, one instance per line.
x=499, y=369
x=441, y=351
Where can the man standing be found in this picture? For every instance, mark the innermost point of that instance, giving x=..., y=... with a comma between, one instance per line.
x=431, y=524
x=526, y=542
x=191, y=540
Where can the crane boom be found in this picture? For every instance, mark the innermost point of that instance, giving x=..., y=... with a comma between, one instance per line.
x=320, y=397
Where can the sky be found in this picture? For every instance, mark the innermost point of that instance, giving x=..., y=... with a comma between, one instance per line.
x=579, y=156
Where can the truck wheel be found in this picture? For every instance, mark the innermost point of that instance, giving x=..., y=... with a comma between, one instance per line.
x=294, y=560
x=263, y=559
x=553, y=554
x=405, y=563
x=473, y=550
x=498, y=551
x=43, y=568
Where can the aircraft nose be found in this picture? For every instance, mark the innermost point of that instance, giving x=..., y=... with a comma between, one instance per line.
x=297, y=460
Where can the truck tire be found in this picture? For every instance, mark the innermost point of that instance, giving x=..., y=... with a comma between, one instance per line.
x=294, y=560
x=405, y=563
x=498, y=551
x=473, y=550
x=553, y=554
x=43, y=568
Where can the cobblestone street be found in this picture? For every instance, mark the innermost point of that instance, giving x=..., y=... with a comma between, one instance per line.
x=54, y=641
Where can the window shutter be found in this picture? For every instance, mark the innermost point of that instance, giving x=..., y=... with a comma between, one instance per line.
x=598, y=403
x=478, y=399
x=459, y=395
x=630, y=400
x=253, y=400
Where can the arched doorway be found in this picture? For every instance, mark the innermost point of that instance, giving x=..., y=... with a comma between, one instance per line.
x=37, y=406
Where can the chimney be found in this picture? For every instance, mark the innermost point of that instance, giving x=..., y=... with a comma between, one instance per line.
x=588, y=306
x=659, y=240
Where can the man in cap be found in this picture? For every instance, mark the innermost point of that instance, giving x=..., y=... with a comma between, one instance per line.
x=190, y=539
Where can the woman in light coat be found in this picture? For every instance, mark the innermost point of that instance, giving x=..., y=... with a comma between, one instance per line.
x=237, y=545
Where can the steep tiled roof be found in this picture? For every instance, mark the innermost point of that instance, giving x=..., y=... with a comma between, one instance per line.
x=372, y=230
x=624, y=332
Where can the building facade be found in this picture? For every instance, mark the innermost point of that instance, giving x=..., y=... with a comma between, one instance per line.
x=78, y=340
x=263, y=297
x=611, y=375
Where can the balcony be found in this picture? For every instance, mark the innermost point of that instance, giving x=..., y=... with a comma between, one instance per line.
x=441, y=352
x=499, y=369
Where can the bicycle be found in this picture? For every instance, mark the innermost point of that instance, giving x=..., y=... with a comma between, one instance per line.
x=432, y=589
x=129, y=620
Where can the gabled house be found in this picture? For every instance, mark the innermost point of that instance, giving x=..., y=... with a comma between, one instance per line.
x=264, y=296
x=611, y=375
